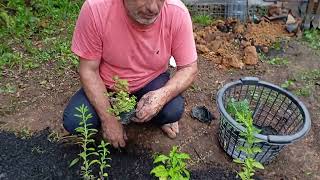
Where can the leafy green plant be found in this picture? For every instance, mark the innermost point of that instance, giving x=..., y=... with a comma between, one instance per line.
x=287, y=84
x=202, y=19
x=243, y=115
x=121, y=102
x=278, y=61
x=171, y=167
x=89, y=153
x=312, y=38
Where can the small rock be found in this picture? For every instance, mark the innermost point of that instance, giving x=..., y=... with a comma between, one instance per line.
x=233, y=62
x=265, y=49
x=250, y=55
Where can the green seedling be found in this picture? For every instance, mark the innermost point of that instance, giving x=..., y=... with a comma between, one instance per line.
x=287, y=84
x=89, y=153
x=24, y=133
x=172, y=167
x=203, y=19
x=243, y=115
x=262, y=57
x=103, y=163
x=278, y=61
x=121, y=102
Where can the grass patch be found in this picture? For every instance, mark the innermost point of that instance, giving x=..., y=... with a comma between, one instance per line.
x=202, y=19
x=278, y=61
x=312, y=37
x=33, y=32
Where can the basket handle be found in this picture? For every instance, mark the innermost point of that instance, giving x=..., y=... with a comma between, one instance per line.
x=249, y=80
x=280, y=139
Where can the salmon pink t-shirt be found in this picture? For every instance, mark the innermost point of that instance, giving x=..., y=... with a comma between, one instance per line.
x=137, y=53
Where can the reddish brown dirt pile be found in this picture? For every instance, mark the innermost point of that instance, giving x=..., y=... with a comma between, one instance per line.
x=232, y=44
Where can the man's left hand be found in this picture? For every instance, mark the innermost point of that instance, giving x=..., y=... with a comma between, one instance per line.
x=149, y=105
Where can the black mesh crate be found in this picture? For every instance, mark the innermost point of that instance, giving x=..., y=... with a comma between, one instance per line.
x=282, y=118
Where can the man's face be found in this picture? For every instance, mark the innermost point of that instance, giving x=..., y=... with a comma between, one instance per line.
x=143, y=11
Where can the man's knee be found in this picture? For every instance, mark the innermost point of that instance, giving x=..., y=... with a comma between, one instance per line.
x=70, y=121
x=171, y=112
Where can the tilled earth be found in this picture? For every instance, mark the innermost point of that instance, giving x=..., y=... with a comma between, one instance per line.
x=38, y=158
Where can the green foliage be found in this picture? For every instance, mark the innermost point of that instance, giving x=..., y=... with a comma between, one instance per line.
x=120, y=99
x=25, y=27
x=202, y=19
x=172, y=167
x=287, y=84
x=312, y=37
x=241, y=111
x=278, y=61
x=89, y=153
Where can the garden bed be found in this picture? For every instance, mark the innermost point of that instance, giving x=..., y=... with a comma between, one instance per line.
x=38, y=158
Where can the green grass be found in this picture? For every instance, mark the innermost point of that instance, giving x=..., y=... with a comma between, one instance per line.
x=34, y=33
x=202, y=19
x=312, y=37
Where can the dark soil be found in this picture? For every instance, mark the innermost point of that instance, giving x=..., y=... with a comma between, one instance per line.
x=38, y=158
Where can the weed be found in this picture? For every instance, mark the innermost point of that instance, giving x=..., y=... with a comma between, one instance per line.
x=277, y=45
x=171, y=167
x=8, y=89
x=53, y=137
x=262, y=57
x=24, y=133
x=89, y=152
x=243, y=115
x=278, y=61
x=303, y=91
x=203, y=19
x=121, y=101
x=312, y=38
x=38, y=150
x=287, y=84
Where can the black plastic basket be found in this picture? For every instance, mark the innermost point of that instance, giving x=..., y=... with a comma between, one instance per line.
x=282, y=118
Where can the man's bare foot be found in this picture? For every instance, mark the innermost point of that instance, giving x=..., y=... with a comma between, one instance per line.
x=171, y=129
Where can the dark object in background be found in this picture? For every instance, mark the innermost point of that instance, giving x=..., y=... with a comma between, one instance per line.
x=126, y=117
x=202, y=114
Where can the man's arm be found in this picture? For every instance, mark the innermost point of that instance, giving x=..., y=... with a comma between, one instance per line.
x=95, y=91
x=152, y=102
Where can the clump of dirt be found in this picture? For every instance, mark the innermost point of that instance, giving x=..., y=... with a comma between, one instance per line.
x=265, y=33
x=233, y=44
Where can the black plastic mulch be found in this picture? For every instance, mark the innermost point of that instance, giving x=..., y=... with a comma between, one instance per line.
x=38, y=158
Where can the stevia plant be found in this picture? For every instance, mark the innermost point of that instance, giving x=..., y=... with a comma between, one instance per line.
x=121, y=102
x=243, y=115
x=172, y=167
x=89, y=154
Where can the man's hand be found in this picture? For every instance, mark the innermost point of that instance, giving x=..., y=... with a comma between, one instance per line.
x=113, y=132
x=149, y=105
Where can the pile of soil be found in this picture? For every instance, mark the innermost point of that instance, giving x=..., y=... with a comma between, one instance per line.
x=233, y=44
x=38, y=158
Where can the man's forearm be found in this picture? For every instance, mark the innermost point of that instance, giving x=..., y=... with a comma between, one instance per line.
x=95, y=91
x=181, y=80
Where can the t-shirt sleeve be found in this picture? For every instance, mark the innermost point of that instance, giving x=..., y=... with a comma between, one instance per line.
x=86, y=40
x=183, y=44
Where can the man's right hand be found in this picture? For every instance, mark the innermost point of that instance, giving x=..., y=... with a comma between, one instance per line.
x=113, y=132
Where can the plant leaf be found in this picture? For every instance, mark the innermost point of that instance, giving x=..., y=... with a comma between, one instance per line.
x=94, y=161
x=258, y=165
x=73, y=162
x=238, y=161
x=159, y=171
x=161, y=158
x=183, y=156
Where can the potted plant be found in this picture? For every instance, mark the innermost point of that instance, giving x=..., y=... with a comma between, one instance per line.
x=122, y=104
